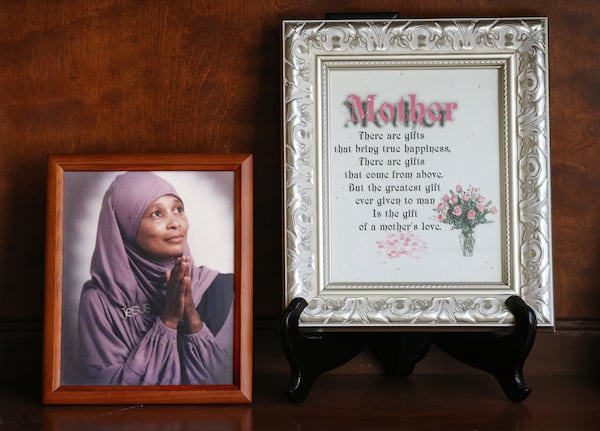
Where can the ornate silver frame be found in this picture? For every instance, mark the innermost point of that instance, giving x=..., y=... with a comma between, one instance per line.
x=519, y=48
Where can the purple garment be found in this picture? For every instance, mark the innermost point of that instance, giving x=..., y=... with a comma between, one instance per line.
x=122, y=338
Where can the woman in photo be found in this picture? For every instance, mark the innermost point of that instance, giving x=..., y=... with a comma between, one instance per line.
x=149, y=315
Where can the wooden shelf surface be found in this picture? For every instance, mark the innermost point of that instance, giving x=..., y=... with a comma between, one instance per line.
x=340, y=402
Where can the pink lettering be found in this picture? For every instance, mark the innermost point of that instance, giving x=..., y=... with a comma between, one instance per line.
x=353, y=102
x=400, y=113
x=449, y=108
x=414, y=106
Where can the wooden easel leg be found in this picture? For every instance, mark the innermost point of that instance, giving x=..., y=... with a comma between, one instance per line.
x=501, y=355
x=310, y=354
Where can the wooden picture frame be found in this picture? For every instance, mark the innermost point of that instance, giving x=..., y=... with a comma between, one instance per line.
x=219, y=188
x=400, y=136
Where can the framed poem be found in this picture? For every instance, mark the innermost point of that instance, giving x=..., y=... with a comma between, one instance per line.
x=148, y=279
x=416, y=169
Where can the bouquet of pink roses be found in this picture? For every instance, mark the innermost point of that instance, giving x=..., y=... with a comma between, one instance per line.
x=464, y=209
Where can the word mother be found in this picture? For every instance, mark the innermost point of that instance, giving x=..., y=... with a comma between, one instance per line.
x=401, y=112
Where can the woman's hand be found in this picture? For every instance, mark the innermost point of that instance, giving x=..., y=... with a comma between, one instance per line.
x=190, y=314
x=178, y=284
x=179, y=301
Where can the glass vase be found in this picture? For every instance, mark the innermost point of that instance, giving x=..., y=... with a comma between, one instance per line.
x=467, y=243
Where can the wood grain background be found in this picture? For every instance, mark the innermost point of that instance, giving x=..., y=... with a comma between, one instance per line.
x=138, y=76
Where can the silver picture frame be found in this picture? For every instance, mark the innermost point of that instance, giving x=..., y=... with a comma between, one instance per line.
x=415, y=133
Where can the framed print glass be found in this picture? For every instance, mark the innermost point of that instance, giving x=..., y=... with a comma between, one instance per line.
x=416, y=171
x=148, y=279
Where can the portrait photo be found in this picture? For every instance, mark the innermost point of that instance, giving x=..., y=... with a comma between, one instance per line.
x=149, y=291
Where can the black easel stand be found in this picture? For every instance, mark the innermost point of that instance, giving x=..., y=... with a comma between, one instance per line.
x=311, y=354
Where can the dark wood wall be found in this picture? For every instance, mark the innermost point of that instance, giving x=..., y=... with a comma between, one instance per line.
x=203, y=76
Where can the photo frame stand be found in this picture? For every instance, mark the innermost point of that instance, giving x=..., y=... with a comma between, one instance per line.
x=502, y=355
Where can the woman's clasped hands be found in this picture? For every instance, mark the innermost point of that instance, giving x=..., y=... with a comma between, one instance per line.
x=179, y=303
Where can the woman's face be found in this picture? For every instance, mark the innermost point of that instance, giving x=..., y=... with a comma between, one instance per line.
x=162, y=233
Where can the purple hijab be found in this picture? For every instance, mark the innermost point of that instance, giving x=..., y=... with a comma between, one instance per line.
x=119, y=268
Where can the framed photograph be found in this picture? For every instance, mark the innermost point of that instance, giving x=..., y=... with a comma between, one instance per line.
x=416, y=171
x=148, y=279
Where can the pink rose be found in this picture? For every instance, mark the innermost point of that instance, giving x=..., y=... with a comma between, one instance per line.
x=466, y=197
x=471, y=215
x=441, y=206
x=474, y=190
x=454, y=199
x=494, y=210
x=481, y=198
x=457, y=211
x=445, y=198
x=459, y=188
x=480, y=208
x=441, y=217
